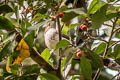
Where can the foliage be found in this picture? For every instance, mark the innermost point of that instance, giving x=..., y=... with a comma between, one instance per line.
x=22, y=26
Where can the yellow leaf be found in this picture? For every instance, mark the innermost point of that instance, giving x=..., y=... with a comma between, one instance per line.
x=62, y=1
x=24, y=52
x=18, y=60
x=22, y=45
x=8, y=65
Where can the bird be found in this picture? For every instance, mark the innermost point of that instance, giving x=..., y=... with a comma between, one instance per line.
x=51, y=37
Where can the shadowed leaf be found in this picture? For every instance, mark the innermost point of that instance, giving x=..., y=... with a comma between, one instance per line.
x=5, y=9
x=49, y=76
x=6, y=24
x=99, y=17
x=86, y=68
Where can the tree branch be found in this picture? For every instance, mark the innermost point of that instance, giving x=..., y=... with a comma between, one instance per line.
x=43, y=63
x=106, y=49
x=60, y=38
x=38, y=59
x=96, y=38
x=115, y=76
x=107, y=25
x=112, y=32
x=117, y=30
x=114, y=44
x=97, y=74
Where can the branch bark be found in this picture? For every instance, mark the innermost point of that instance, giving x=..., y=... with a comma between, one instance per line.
x=38, y=59
x=60, y=38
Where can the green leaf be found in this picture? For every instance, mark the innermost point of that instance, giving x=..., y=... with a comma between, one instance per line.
x=62, y=44
x=29, y=38
x=86, y=68
x=39, y=16
x=116, y=50
x=15, y=54
x=57, y=1
x=10, y=37
x=74, y=68
x=48, y=2
x=99, y=17
x=41, y=10
x=63, y=64
x=93, y=6
x=63, y=8
x=5, y=9
x=6, y=24
x=46, y=54
x=37, y=26
x=117, y=60
x=111, y=16
x=73, y=25
x=23, y=26
x=117, y=35
x=49, y=76
x=28, y=24
x=10, y=59
x=69, y=16
x=29, y=1
x=14, y=68
x=76, y=11
x=65, y=29
x=96, y=60
x=42, y=78
x=100, y=48
x=20, y=2
x=7, y=50
x=74, y=77
x=31, y=69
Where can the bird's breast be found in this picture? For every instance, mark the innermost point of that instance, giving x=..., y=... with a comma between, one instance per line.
x=51, y=38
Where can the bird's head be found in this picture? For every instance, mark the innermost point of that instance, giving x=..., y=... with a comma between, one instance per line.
x=50, y=25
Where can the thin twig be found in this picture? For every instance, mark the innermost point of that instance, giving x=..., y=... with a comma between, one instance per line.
x=107, y=25
x=96, y=38
x=115, y=2
x=112, y=21
x=114, y=44
x=97, y=74
x=112, y=32
x=116, y=30
x=62, y=27
x=106, y=49
x=115, y=76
